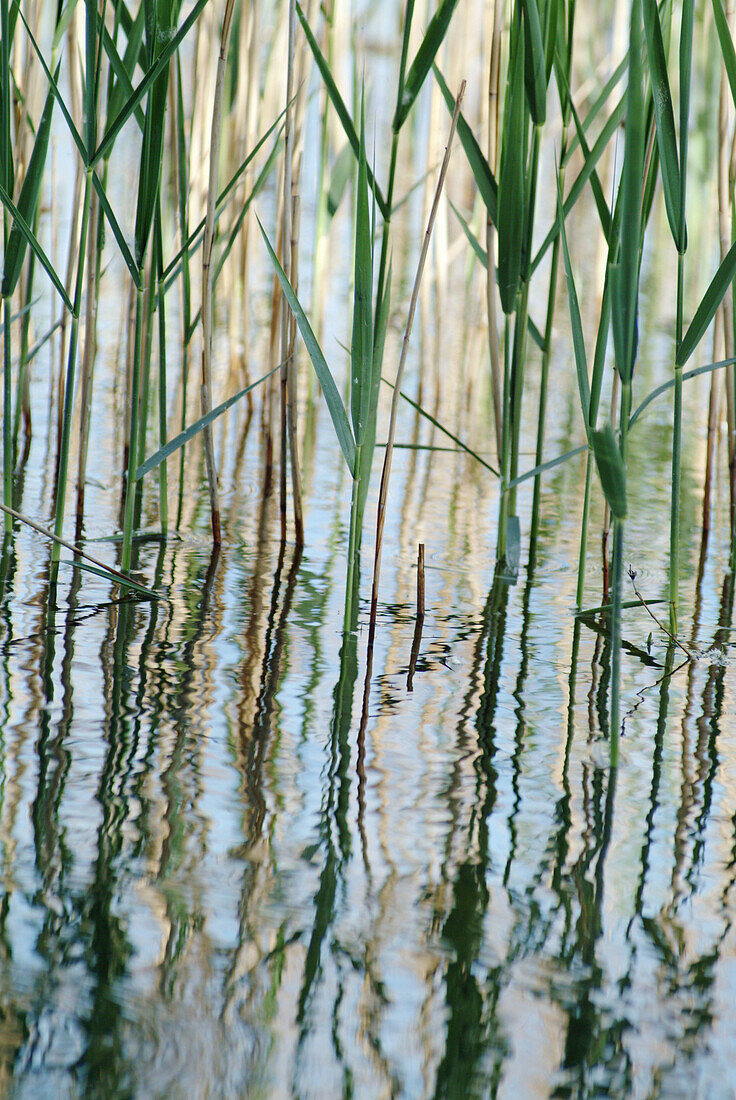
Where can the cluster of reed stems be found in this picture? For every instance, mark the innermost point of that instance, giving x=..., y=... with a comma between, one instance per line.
x=107, y=74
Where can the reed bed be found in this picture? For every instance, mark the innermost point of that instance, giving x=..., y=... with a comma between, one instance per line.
x=547, y=114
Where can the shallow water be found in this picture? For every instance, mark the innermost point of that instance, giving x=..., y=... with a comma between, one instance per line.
x=225, y=872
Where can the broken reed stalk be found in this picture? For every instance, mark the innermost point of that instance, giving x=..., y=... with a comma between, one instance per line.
x=209, y=235
x=419, y=624
x=288, y=378
x=386, y=472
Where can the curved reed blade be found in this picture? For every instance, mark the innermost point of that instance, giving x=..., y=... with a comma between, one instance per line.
x=339, y=104
x=535, y=61
x=706, y=311
x=479, y=166
x=331, y=393
x=189, y=433
x=511, y=186
x=686, y=65
x=27, y=200
x=665, y=122
x=33, y=243
x=581, y=363
x=727, y=46
x=625, y=273
x=611, y=469
x=423, y=60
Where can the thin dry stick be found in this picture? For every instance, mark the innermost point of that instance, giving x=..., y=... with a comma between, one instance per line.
x=75, y=549
x=209, y=236
x=383, y=492
x=632, y=573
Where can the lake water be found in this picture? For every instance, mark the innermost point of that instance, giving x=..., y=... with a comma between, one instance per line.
x=221, y=878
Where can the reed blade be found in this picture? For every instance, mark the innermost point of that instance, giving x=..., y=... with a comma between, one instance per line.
x=665, y=123
x=511, y=186
x=611, y=469
x=423, y=60
x=705, y=312
x=27, y=200
x=331, y=393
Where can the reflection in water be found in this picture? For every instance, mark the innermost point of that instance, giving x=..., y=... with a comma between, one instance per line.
x=239, y=859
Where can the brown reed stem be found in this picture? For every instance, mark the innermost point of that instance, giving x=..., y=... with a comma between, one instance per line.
x=209, y=236
x=386, y=472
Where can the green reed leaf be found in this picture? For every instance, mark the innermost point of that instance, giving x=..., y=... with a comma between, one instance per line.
x=611, y=470
x=76, y=136
x=665, y=122
x=535, y=61
x=114, y=578
x=727, y=47
x=122, y=87
x=625, y=273
x=601, y=100
x=7, y=179
x=192, y=239
x=705, y=312
x=423, y=60
x=548, y=465
x=363, y=389
x=511, y=186
x=180, y=440
x=441, y=427
x=27, y=200
x=156, y=69
x=117, y=232
x=32, y=240
x=578, y=342
x=479, y=166
x=341, y=170
x=666, y=386
x=330, y=391
x=339, y=104
x=554, y=30
x=480, y=252
x=686, y=65
x=585, y=173
x=158, y=33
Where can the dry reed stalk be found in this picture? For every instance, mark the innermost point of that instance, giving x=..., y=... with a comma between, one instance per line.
x=431, y=317
x=88, y=359
x=117, y=573
x=288, y=248
x=291, y=395
x=386, y=472
x=209, y=236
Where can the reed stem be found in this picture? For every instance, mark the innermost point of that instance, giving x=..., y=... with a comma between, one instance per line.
x=133, y=424
x=676, y=457
x=66, y=419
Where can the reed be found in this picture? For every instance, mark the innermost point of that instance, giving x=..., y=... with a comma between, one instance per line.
x=126, y=66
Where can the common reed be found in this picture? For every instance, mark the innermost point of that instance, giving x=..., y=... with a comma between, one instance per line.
x=113, y=74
